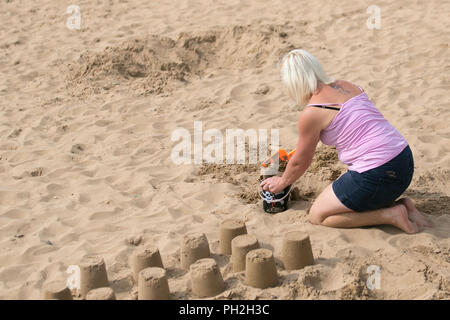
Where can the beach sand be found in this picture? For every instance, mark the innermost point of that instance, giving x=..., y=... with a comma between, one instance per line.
x=87, y=117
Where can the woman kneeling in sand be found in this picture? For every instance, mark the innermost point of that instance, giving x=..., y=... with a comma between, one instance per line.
x=378, y=157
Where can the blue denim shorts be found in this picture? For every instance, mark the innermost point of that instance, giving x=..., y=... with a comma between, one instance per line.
x=376, y=188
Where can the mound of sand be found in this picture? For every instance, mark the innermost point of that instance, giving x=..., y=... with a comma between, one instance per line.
x=325, y=168
x=245, y=176
x=153, y=64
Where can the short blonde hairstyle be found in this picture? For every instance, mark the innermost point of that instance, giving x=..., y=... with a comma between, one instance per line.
x=301, y=73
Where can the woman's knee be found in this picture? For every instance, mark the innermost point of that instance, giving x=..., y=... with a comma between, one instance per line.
x=326, y=204
x=321, y=210
x=315, y=217
x=315, y=220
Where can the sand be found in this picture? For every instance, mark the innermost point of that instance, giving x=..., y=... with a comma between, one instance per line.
x=86, y=119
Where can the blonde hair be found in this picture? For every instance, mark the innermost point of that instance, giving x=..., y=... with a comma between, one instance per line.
x=301, y=72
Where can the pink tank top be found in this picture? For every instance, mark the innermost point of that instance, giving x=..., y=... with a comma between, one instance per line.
x=364, y=139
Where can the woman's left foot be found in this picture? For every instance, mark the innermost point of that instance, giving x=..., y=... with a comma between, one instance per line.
x=398, y=216
x=414, y=214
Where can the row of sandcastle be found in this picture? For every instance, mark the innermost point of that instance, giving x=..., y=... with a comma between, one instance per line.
x=206, y=278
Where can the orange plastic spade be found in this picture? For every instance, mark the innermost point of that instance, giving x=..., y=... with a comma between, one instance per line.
x=281, y=154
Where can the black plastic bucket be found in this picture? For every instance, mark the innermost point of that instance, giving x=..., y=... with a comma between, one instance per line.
x=275, y=203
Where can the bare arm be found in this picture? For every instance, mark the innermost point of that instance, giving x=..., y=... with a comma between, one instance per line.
x=309, y=127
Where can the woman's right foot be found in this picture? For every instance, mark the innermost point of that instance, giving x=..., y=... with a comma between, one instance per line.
x=414, y=214
x=398, y=217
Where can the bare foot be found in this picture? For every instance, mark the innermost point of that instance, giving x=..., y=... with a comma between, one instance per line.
x=414, y=214
x=399, y=219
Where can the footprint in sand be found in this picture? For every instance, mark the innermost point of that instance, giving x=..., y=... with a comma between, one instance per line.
x=15, y=214
x=239, y=91
x=78, y=148
x=100, y=215
x=377, y=84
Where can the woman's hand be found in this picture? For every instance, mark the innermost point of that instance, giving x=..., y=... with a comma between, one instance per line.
x=273, y=184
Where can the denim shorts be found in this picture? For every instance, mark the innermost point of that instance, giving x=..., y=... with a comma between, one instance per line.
x=376, y=188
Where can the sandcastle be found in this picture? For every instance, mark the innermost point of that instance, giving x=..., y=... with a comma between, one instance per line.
x=241, y=245
x=230, y=229
x=153, y=285
x=206, y=279
x=56, y=290
x=104, y=293
x=145, y=257
x=260, y=269
x=194, y=246
x=205, y=275
x=92, y=274
x=297, y=251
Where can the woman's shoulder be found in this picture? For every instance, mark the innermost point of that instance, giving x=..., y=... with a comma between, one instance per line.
x=346, y=86
x=314, y=117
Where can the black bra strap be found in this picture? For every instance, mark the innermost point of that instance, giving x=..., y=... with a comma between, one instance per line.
x=327, y=107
